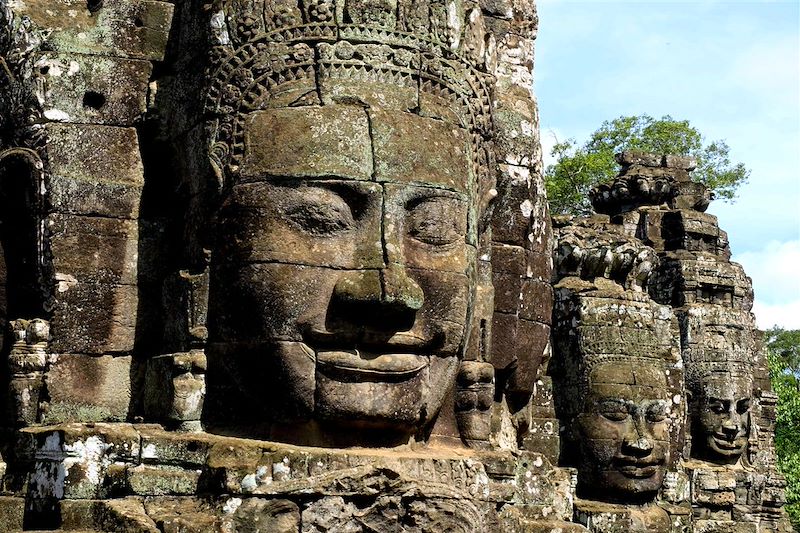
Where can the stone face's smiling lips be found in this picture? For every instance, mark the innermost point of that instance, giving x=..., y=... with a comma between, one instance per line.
x=638, y=468
x=725, y=445
x=390, y=356
x=354, y=363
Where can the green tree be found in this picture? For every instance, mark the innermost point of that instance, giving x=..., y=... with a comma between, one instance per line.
x=784, y=364
x=578, y=168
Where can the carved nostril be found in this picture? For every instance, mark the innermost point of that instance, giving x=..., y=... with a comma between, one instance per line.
x=638, y=446
x=730, y=427
x=359, y=287
x=379, y=300
x=400, y=290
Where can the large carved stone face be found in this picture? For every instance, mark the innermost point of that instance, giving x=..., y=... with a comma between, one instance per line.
x=345, y=259
x=723, y=416
x=624, y=430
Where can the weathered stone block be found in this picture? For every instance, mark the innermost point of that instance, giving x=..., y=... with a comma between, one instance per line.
x=73, y=461
x=509, y=259
x=12, y=511
x=512, y=211
x=93, y=89
x=532, y=343
x=536, y=301
x=303, y=142
x=185, y=515
x=516, y=123
x=93, y=250
x=149, y=480
x=126, y=515
x=136, y=29
x=504, y=339
x=93, y=318
x=723, y=526
x=507, y=293
x=540, y=266
x=543, y=437
x=170, y=448
x=446, y=161
x=275, y=515
x=94, y=170
x=84, y=388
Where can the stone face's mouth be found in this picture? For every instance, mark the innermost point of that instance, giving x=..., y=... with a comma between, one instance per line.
x=725, y=445
x=638, y=469
x=352, y=363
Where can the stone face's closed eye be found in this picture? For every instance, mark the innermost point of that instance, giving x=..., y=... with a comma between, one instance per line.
x=614, y=410
x=319, y=211
x=436, y=221
x=657, y=411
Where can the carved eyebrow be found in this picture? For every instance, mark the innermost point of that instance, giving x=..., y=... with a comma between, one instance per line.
x=615, y=402
x=712, y=399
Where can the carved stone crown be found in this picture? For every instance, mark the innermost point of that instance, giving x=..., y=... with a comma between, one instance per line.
x=651, y=180
x=279, y=53
x=595, y=251
x=719, y=340
x=456, y=26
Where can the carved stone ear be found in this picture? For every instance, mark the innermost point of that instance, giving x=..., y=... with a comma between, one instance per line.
x=218, y=154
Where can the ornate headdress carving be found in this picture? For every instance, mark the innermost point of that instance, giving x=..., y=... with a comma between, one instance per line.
x=590, y=251
x=717, y=340
x=277, y=53
x=595, y=326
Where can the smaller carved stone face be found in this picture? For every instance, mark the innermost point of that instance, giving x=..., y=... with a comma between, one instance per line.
x=723, y=415
x=624, y=429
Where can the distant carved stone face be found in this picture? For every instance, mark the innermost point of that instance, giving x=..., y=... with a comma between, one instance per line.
x=346, y=257
x=723, y=416
x=624, y=429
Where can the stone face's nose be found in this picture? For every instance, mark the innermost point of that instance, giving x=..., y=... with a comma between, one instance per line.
x=638, y=446
x=385, y=299
x=731, y=426
x=390, y=287
x=399, y=289
x=638, y=441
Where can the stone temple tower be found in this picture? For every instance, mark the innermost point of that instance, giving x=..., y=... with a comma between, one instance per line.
x=288, y=266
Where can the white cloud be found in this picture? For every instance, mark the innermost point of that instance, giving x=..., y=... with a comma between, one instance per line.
x=786, y=316
x=776, y=281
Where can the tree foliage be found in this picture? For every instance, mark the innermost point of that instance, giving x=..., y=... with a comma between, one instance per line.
x=580, y=167
x=784, y=365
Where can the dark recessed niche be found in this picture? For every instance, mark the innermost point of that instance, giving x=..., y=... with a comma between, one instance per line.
x=138, y=22
x=93, y=100
x=94, y=5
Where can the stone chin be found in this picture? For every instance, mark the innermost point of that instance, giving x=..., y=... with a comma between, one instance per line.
x=397, y=391
x=643, y=483
x=627, y=476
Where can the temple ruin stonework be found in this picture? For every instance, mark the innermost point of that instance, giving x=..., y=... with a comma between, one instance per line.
x=288, y=266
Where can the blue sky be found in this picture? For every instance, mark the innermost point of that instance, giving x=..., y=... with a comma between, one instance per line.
x=731, y=68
